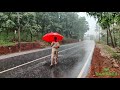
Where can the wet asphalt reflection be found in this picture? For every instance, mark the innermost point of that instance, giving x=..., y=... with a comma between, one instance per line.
x=69, y=64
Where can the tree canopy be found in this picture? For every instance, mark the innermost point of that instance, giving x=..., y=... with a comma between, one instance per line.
x=33, y=25
x=110, y=22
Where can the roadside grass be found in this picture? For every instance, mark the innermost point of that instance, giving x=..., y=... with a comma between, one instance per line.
x=116, y=56
x=6, y=43
x=108, y=49
x=112, y=52
x=101, y=42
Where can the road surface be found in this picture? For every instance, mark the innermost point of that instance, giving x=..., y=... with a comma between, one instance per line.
x=72, y=58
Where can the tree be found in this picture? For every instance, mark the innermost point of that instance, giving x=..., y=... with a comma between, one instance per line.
x=32, y=26
x=105, y=20
x=108, y=20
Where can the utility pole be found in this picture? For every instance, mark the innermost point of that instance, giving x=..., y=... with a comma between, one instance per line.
x=19, y=31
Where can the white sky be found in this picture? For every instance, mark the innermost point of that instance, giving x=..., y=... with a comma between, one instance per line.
x=91, y=22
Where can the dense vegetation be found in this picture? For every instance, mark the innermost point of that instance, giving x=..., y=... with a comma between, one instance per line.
x=109, y=22
x=33, y=25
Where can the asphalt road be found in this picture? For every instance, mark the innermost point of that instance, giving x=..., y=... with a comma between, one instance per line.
x=37, y=65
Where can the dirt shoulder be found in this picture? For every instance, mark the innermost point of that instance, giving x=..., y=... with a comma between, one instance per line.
x=103, y=65
x=26, y=46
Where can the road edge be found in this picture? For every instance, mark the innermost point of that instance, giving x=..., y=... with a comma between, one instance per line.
x=84, y=71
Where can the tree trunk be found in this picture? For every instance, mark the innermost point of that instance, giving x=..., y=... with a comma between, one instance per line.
x=7, y=33
x=19, y=41
x=114, y=39
x=42, y=32
x=14, y=37
x=111, y=38
x=31, y=36
x=119, y=37
x=26, y=35
x=43, y=27
x=107, y=37
x=0, y=34
x=119, y=34
x=67, y=34
x=38, y=35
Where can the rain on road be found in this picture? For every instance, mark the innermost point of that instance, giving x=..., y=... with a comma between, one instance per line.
x=71, y=60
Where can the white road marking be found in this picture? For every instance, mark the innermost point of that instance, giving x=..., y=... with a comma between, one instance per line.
x=43, y=62
x=33, y=61
x=82, y=70
x=60, y=55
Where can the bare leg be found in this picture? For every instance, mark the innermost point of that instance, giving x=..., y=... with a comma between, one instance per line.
x=56, y=57
x=52, y=59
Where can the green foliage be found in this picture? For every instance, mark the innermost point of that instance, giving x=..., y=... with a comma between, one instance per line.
x=10, y=24
x=111, y=22
x=6, y=43
x=108, y=49
x=33, y=25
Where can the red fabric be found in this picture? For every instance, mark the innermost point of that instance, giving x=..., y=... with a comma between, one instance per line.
x=49, y=37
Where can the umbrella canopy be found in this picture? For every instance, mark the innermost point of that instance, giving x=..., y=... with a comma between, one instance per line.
x=49, y=37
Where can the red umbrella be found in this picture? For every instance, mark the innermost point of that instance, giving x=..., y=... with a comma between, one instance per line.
x=49, y=37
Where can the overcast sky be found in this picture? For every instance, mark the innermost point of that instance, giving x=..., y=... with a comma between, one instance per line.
x=91, y=22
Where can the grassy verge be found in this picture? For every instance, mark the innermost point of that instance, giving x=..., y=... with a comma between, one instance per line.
x=6, y=43
x=112, y=53
x=110, y=50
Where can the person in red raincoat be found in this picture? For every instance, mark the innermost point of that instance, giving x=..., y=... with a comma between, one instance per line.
x=54, y=54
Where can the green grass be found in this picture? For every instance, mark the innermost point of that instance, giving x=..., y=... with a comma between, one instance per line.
x=116, y=56
x=6, y=40
x=108, y=49
x=6, y=43
x=111, y=52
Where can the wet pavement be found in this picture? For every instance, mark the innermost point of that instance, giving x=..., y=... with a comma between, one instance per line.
x=71, y=60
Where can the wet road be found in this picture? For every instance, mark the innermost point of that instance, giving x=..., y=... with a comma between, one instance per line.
x=36, y=65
